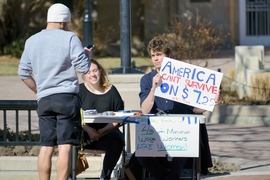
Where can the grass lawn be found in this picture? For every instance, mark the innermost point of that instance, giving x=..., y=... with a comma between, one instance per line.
x=9, y=65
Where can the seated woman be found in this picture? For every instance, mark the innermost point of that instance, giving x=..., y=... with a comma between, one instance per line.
x=97, y=93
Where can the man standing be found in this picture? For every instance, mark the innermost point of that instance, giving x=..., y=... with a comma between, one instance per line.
x=158, y=48
x=52, y=56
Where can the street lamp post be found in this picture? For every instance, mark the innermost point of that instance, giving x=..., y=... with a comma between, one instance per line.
x=125, y=35
x=87, y=25
x=125, y=46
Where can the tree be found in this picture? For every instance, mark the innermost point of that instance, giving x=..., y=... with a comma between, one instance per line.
x=19, y=19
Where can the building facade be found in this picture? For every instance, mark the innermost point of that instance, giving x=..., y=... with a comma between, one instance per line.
x=247, y=21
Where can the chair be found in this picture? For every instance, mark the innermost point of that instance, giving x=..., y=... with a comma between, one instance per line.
x=117, y=172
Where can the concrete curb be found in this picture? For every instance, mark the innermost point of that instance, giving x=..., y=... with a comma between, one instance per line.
x=25, y=167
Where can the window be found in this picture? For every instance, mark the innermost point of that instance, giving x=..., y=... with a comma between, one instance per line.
x=257, y=17
x=198, y=1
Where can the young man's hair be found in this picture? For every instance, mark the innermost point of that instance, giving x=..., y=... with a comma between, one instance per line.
x=159, y=43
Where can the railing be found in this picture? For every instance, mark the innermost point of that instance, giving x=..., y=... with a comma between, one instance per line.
x=6, y=108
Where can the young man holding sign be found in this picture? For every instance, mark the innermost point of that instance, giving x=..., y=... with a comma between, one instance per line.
x=158, y=48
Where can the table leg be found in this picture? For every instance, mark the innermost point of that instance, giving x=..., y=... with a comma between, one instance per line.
x=73, y=161
x=193, y=168
x=198, y=168
x=124, y=154
x=127, y=137
x=198, y=160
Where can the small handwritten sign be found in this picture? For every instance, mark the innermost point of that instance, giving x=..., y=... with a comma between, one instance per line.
x=173, y=136
x=188, y=84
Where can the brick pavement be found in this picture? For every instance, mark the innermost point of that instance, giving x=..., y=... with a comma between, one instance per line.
x=240, y=177
x=245, y=146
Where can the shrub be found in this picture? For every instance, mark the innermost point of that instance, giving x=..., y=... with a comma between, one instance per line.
x=23, y=136
x=228, y=80
x=260, y=86
x=195, y=42
x=231, y=74
x=15, y=49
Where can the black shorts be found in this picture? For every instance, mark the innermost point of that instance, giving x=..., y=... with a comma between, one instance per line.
x=59, y=119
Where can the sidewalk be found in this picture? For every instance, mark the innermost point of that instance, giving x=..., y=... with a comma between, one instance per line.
x=241, y=177
x=246, y=146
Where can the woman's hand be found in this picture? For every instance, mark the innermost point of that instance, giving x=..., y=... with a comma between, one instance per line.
x=107, y=128
x=92, y=133
x=101, y=131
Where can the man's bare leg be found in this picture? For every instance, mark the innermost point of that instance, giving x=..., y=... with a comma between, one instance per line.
x=63, y=161
x=45, y=162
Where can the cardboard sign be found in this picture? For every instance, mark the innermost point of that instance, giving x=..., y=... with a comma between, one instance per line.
x=172, y=136
x=188, y=84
